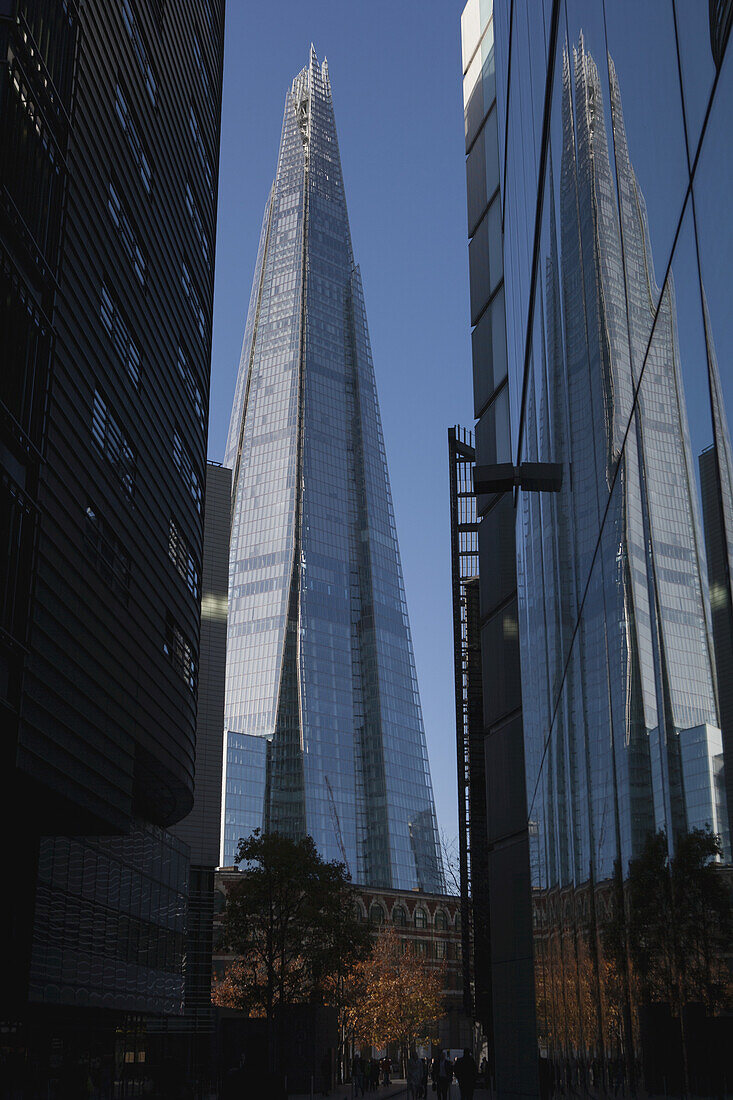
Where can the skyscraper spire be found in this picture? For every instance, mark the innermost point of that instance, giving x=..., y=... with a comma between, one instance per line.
x=325, y=731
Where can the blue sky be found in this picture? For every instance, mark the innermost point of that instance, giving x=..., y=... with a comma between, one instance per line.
x=395, y=68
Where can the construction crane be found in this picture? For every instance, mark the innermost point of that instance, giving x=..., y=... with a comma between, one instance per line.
x=336, y=825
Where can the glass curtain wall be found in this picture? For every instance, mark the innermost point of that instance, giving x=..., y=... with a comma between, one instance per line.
x=323, y=718
x=617, y=172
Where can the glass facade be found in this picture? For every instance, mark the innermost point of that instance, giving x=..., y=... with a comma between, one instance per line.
x=323, y=719
x=110, y=921
x=612, y=236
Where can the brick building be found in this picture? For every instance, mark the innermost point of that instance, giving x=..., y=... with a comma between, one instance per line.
x=430, y=923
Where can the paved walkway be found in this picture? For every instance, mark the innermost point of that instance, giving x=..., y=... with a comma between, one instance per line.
x=348, y=1092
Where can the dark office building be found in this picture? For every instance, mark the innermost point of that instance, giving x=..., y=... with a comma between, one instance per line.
x=606, y=244
x=200, y=830
x=496, y=873
x=107, y=217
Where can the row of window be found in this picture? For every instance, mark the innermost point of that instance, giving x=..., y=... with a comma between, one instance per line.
x=129, y=353
x=111, y=314
x=139, y=156
x=193, y=300
x=112, y=562
x=201, y=68
x=200, y=145
x=119, y=452
x=181, y=554
x=105, y=428
x=177, y=647
x=117, y=330
x=185, y=466
x=107, y=553
x=105, y=550
x=123, y=223
x=198, y=221
x=179, y=650
x=435, y=949
x=400, y=917
x=111, y=440
x=126, y=234
x=141, y=54
x=186, y=374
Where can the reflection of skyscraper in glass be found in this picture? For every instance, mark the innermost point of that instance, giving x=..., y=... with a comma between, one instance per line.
x=721, y=21
x=716, y=481
x=323, y=716
x=638, y=737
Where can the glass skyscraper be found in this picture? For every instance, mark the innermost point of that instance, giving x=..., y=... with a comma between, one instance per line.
x=324, y=730
x=598, y=165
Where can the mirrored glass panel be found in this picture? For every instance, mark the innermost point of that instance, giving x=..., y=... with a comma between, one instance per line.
x=625, y=606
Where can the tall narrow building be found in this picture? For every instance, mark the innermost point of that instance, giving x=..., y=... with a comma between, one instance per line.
x=595, y=191
x=323, y=719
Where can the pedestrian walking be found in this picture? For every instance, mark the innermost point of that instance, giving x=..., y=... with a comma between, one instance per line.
x=414, y=1076
x=386, y=1069
x=466, y=1072
x=357, y=1072
x=425, y=1075
x=442, y=1075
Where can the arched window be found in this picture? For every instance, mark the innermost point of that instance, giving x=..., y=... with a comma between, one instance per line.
x=441, y=921
x=399, y=916
x=421, y=918
x=376, y=914
x=458, y=921
x=359, y=911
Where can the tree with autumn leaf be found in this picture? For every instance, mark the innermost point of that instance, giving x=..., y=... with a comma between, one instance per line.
x=393, y=996
x=289, y=925
x=234, y=989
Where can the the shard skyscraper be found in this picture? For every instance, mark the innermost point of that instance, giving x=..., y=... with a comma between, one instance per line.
x=324, y=727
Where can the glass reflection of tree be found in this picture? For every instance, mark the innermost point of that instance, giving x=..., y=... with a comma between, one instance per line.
x=678, y=922
x=673, y=915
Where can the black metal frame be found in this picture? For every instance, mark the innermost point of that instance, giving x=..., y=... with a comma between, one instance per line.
x=464, y=566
